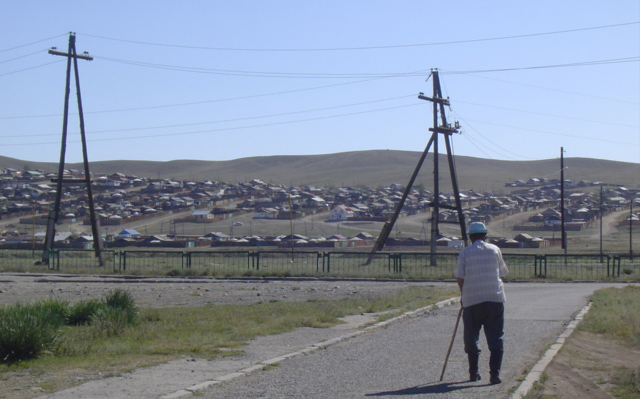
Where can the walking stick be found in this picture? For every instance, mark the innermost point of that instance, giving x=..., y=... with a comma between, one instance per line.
x=453, y=337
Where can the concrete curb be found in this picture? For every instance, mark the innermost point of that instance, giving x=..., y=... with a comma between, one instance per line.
x=187, y=392
x=536, y=372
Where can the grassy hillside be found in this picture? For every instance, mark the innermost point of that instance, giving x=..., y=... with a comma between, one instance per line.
x=371, y=168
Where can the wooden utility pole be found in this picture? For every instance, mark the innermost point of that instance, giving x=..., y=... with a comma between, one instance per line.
x=601, y=211
x=447, y=130
x=54, y=212
x=564, y=232
x=631, y=231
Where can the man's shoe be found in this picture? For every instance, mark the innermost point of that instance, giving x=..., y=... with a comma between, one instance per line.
x=475, y=377
x=495, y=379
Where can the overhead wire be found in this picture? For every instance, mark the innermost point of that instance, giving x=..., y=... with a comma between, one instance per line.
x=466, y=123
x=550, y=89
x=20, y=57
x=315, y=75
x=230, y=128
x=263, y=74
x=224, y=120
x=546, y=114
x=202, y=102
x=30, y=68
x=572, y=64
x=32, y=43
x=366, y=47
x=557, y=134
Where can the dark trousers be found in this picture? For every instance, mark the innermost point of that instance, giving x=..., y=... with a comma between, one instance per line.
x=489, y=315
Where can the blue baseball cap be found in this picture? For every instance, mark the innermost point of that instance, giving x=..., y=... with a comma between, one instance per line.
x=477, y=228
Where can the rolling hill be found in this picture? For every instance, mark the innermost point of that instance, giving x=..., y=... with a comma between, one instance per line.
x=370, y=168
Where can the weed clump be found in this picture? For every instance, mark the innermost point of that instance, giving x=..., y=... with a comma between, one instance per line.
x=29, y=331
x=26, y=332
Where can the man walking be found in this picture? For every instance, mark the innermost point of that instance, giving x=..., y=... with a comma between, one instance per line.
x=479, y=273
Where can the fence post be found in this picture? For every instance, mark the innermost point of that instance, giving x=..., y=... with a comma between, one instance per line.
x=124, y=260
x=186, y=259
x=328, y=262
x=325, y=256
x=318, y=256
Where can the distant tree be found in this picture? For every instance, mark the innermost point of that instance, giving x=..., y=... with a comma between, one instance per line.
x=26, y=167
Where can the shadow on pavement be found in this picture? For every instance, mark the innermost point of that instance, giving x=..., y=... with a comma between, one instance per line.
x=430, y=388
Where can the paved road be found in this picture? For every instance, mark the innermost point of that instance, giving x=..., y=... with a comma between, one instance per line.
x=405, y=358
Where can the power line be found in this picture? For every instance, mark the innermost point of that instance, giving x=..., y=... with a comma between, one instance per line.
x=22, y=56
x=30, y=68
x=315, y=75
x=466, y=123
x=551, y=89
x=368, y=47
x=226, y=120
x=263, y=74
x=558, y=134
x=370, y=78
x=205, y=101
x=545, y=114
x=574, y=64
x=36, y=42
x=231, y=128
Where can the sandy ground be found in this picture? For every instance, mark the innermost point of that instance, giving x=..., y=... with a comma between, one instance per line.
x=165, y=292
x=586, y=365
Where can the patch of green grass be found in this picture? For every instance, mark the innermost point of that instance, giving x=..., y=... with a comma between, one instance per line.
x=82, y=311
x=27, y=332
x=30, y=331
x=614, y=314
x=162, y=334
x=627, y=384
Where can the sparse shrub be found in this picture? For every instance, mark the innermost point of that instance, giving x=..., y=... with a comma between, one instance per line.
x=122, y=300
x=82, y=311
x=109, y=321
x=54, y=307
x=27, y=331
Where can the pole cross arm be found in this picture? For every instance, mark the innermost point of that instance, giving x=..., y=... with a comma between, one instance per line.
x=444, y=129
x=63, y=54
x=438, y=100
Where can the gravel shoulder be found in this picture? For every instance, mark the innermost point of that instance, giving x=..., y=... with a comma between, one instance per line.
x=190, y=292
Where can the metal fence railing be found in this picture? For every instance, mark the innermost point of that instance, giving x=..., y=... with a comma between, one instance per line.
x=401, y=265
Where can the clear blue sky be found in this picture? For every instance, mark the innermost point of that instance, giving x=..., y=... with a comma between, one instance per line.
x=220, y=80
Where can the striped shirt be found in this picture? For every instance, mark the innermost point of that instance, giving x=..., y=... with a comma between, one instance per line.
x=481, y=267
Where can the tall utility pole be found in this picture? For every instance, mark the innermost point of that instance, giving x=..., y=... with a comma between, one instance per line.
x=601, y=211
x=438, y=128
x=564, y=232
x=54, y=212
x=631, y=231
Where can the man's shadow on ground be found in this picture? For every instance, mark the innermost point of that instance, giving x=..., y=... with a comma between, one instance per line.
x=442, y=387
